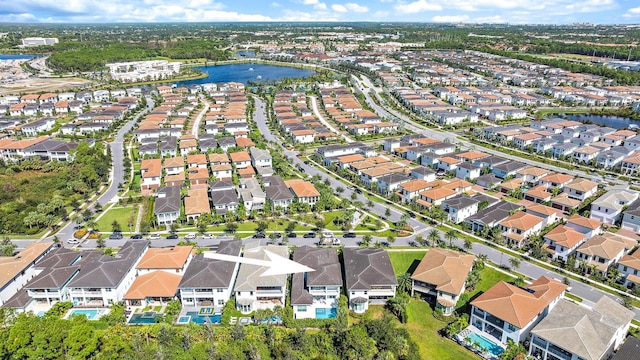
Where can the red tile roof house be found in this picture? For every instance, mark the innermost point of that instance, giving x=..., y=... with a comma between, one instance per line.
x=629, y=265
x=517, y=227
x=562, y=242
x=198, y=178
x=604, y=250
x=506, y=312
x=151, y=170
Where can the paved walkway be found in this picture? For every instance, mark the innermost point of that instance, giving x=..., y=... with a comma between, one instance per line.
x=316, y=111
x=196, y=123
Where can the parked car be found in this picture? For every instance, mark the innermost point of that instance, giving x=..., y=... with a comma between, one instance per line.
x=73, y=241
x=154, y=237
x=277, y=235
x=412, y=214
x=208, y=236
x=77, y=227
x=349, y=235
x=190, y=236
x=358, y=191
x=259, y=236
x=172, y=237
x=115, y=236
x=135, y=237
x=291, y=235
x=309, y=235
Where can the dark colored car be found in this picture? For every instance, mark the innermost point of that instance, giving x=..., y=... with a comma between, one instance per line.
x=310, y=235
x=412, y=214
x=135, y=237
x=358, y=191
x=172, y=237
x=291, y=235
x=259, y=236
x=349, y=235
x=115, y=236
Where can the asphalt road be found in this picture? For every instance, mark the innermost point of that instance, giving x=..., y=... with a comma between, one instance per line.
x=117, y=174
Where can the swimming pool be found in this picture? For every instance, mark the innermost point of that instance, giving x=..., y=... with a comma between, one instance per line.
x=90, y=314
x=326, y=313
x=196, y=318
x=486, y=344
x=148, y=317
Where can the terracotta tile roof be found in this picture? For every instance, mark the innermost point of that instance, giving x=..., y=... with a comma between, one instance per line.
x=240, y=156
x=176, y=177
x=446, y=269
x=414, y=185
x=581, y=184
x=511, y=184
x=565, y=200
x=12, y=266
x=472, y=155
x=165, y=258
x=153, y=167
x=584, y=222
x=437, y=193
x=533, y=171
x=198, y=174
x=606, y=246
x=521, y=221
x=197, y=202
x=197, y=159
x=557, y=178
x=154, y=284
x=449, y=160
x=177, y=161
x=518, y=306
x=538, y=192
x=244, y=142
x=246, y=171
x=302, y=188
x=565, y=236
x=185, y=144
x=542, y=209
x=221, y=158
x=346, y=159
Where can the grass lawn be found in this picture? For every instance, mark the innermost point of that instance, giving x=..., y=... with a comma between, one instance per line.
x=252, y=226
x=489, y=278
x=405, y=261
x=424, y=328
x=121, y=215
x=329, y=217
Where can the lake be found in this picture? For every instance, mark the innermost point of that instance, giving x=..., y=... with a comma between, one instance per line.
x=16, y=56
x=610, y=121
x=244, y=73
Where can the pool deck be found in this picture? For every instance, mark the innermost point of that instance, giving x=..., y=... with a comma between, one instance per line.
x=472, y=329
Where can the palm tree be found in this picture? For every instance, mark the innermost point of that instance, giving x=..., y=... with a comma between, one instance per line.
x=404, y=283
x=451, y=236
x=514, y=262
x=482, y=260
x=91, y=224
x=366, y=241
x=468, y=244
x=434, y=237
x=391, y=239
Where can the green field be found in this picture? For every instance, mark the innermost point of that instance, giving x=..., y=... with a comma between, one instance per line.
x=424, y=328
x=405, y=261
x=121, y=215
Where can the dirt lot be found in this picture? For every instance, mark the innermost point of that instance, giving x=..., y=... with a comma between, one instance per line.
x=36, y=85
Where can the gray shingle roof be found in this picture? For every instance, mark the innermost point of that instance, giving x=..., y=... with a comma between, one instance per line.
x=327, y=272
x=171, y=201
x=211, y=273
x=366, y=267
x=104, y=271
x=249, y=276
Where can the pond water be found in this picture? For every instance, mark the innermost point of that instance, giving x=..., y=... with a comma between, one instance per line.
x=16, y=56
x=244, y=73
x=610, y=121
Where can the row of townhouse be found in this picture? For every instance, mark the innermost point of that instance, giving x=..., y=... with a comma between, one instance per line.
x=222, y=197
x=168, y=142
x=595, y=96
x=42, y=275
x=343, y=108
x=43, y=147
x=84, y=96
x=550, y=326
x=297, y=120
x=429, y=105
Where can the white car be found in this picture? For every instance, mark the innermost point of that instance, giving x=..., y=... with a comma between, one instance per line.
x=73, y=241
x=154, y=237
x=208, y=236
x=190, y=236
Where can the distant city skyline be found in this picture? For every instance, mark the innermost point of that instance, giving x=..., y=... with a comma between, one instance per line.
x=450, y=11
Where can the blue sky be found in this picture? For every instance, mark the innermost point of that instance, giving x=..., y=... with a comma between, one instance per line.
x=466, y=11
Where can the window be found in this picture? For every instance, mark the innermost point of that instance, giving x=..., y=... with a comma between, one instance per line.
x=511, y=327
x=301, y=308
x=219, y=290
x=220, y=302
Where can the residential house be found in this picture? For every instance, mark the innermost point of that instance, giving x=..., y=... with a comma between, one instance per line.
x=260, y=158
x=17, y=270
x=555, y=180
x=251, y=194
x=572, y=331
x=507, y=312
x=167, y=205
x=441, y=277
x=196, y=203
x=506, y=169
x=315, y=294
x=608, y=207
x=629, y=266
x=369, y=277
x=562, y=242
x=581, y=189
x=589, y=227
x=224, y=201
x=603, y=251
x=517, y=227
x=460, y=207
x=389, y=183
x=467, y=171
x=254, y=291
x=240, y=159
x=631, y=217
x=412, y=188
x=151, y=170
x=198, y=177
x=209, y=282
x=303, y=191
x=174, y=165
x=105, y=279
x=277, y=191
x=423, y=173
x=491, y=216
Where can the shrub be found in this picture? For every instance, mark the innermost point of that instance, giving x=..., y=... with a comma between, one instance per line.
x=94, y=236
x=80, y=233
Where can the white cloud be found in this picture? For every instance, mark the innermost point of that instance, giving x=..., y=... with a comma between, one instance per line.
x=633, y=12
x=416, y=7
x=357, y=8
x=320, y=6
x=309, y=2
x=275, y=4
x=339, y=8
x=467, y=19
